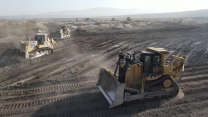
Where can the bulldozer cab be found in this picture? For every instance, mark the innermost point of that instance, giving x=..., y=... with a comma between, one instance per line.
x=150, y=61
x=64, y=28
x=40, y=39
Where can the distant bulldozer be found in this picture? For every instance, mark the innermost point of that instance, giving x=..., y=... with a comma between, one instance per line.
x=62, y=32
x=41, y=45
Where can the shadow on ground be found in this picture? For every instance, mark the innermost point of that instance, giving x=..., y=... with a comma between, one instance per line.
x=94, y=104
x=81, y=104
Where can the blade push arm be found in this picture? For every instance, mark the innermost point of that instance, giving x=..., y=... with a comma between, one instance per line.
x=121, y=56
x=179, y=66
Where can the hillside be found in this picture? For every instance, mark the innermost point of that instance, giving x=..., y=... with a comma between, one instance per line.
x=104, y=12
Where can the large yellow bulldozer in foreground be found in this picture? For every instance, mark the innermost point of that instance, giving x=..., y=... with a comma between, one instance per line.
x=140, y=76
x=41, y=45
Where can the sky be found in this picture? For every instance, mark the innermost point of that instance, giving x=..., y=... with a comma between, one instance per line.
x=25, y=7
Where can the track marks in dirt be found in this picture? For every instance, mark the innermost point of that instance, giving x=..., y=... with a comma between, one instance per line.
x=48, y=89
x=92, y=51
x=131, y=107
x=190, y=96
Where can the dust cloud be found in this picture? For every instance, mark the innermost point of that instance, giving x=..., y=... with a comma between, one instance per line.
x=168, y=102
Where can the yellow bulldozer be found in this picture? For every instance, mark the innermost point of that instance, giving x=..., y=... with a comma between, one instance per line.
x=62, y=32
x=141, y=75
x=41, y=45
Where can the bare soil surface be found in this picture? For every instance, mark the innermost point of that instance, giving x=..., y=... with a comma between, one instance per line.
x=62, y=84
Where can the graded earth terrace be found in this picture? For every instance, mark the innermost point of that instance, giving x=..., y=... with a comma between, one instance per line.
x=63, y=83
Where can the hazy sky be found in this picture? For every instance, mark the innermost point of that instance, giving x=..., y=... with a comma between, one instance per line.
x=19, y=7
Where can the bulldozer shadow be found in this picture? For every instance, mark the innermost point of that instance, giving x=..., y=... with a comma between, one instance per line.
x=81, y=104
x=94, y=104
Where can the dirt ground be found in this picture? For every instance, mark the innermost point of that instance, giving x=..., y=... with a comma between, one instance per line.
x=62, y=84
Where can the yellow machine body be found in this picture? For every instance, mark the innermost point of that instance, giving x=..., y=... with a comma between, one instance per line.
x=41, y=45
x=144, y=76
x=62, y=32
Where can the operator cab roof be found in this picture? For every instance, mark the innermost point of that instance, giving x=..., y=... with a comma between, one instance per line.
x=147, y=52
x=157, y=50
x=41, y=34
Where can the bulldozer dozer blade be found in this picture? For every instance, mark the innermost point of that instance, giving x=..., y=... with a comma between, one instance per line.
x=37, y=56
x=33, y=56
x=110, y=88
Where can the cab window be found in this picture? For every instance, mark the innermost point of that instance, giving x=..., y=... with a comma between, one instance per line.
x=156, y=59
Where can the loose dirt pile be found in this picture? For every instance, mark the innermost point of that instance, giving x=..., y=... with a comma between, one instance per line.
x=62, y=84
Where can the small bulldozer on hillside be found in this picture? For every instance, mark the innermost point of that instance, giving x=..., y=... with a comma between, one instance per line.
x=41, y=45
x=141, y=76
x=62, y=32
